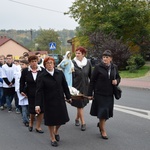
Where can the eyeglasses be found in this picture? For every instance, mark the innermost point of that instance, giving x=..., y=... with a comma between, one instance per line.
x=50, y=63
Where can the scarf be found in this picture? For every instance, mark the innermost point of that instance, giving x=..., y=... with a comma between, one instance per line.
x=81, y=63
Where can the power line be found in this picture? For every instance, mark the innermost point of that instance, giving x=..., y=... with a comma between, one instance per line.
x=36, y=6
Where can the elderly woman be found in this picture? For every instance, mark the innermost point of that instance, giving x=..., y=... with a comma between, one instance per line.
x=51, y=87
x=28, y=83
x=104, y=76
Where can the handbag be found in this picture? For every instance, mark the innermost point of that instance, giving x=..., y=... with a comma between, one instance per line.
x=117, y=92
x=116, y=89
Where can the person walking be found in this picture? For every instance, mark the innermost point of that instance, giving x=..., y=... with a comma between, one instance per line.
x=28, y=83
x=51, y=88
x=22, y=100
x=18, y=108
x=8, y=75
x=81, y=78
x=40, y=59
x=105, y=75
x=2, y=102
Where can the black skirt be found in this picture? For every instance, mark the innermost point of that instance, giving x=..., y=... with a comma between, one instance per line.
x=80, y=103
x=102, y=106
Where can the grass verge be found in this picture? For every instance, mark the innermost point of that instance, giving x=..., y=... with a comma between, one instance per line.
x=138, y=73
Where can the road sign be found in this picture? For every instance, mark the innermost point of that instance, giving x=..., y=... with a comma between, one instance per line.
x=52, y=45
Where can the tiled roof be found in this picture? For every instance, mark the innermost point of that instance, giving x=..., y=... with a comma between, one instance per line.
x=3, y=39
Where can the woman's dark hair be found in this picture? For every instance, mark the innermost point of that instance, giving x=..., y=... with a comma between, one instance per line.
x=25, y=54
x=33, y=57
x=24, y=62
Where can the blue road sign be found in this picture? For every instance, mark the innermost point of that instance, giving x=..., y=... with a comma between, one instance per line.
x=52, y=46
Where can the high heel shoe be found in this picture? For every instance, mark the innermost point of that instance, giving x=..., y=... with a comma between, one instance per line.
x=99, y=127
x=103, y=137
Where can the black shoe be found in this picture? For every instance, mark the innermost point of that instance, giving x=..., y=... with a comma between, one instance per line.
x=9, y=109
x=55, y=144
x=83, y=127
x=26, y=124
x=104, y=137
x=57, y=137
x=98, y=124
x=30, y=129
x=39, y=131
x=99, y=127
x=77, y=123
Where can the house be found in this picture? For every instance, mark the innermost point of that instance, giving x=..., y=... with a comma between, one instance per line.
x=74, y=43
x=10, y=46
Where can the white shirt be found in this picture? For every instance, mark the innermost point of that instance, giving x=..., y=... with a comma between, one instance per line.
x=9, y=73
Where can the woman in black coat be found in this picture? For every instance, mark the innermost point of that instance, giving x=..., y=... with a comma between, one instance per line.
x=104, y=76
x=51, y=88
x=28, y=82
x=81, y=78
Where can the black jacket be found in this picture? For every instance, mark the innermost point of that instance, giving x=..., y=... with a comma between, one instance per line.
x=101, y=81
x=51, y=90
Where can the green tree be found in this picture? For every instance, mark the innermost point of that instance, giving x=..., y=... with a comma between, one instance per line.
x=130, y=20
x=45, y=37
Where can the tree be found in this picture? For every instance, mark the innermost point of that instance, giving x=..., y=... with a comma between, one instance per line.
x=101, y=42
x=47, y=36
x=129, y=19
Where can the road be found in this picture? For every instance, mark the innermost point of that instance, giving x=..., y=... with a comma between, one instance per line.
x=129, y=129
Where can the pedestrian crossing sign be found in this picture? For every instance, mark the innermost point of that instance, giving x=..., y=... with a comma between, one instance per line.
x=52, y=45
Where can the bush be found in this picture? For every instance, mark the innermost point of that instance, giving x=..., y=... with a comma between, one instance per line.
x=102, y=42
x=135, y=62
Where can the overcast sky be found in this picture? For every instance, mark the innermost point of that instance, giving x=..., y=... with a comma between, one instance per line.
x=35, y=14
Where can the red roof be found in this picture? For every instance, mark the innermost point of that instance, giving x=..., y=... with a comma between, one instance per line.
x=3, y=40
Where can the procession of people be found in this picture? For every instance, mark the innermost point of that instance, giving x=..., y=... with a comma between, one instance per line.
x=41, y=90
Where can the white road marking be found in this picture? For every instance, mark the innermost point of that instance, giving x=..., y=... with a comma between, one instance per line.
x=134, y=111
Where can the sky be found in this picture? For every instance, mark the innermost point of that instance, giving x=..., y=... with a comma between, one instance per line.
x=36, y=14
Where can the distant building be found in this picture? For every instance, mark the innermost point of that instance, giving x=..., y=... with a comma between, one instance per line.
x=10, y=46
x=74, y=43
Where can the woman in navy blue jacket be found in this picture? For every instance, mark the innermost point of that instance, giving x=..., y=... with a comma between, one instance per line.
x=104, y=77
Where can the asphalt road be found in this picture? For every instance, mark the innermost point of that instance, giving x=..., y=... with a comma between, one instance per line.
x=129, y=129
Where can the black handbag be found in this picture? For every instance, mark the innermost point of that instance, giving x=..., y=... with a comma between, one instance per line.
x=116, y=89
x=117, y=92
